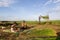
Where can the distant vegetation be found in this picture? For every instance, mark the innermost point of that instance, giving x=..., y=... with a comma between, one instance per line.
x=32, y=22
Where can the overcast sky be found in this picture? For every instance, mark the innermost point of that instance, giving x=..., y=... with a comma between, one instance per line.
x=29, y=9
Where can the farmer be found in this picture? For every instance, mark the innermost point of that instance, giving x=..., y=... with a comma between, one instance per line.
x=13, y=27
x=39, y=19
x=23, y=25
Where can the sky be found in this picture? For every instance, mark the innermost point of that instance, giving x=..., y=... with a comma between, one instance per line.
x=11, y=10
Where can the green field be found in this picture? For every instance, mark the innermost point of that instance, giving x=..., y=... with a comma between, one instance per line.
x=40, y=31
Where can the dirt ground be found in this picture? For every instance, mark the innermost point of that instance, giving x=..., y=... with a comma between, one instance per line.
x=55, y=27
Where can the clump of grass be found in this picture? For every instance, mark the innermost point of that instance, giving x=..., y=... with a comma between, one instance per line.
x=43, y=39
x=43, y=32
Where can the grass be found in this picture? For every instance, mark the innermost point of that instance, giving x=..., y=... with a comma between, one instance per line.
x=36, y=22
x=43, y=32
x=43, y=39
x=37, y=32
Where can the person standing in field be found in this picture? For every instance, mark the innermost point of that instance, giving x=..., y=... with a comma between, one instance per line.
x=39, y=19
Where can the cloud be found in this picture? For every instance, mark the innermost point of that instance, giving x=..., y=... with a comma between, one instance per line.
x=55, y=13
x=56, y=9
x=6, y=3
x=51, y=1
x=48, y=2
x=56, y=1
